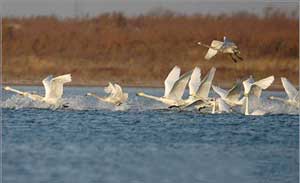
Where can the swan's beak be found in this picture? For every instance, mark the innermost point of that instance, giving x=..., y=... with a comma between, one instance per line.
x=139, y=94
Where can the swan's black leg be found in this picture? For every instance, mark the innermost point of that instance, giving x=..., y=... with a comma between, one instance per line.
x=233, y=59
x=238, y=56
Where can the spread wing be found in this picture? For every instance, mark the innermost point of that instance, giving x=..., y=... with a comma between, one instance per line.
x=235, y=92
x=179, y=86
x=172, y=77
x=264, y=83
x=216, y=45
x=206, y=83
x=118, y=91
x=110, y=88
x=221, y=92
x=56, y=85
x=195, y=81
x=289, y=88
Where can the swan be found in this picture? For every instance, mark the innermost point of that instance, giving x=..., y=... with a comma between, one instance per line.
x=226, y=47
x=174, y=89
x=292, y=93
x=233, y=96
x=53, y=90
x=255, y=88
x=116, y=95
x=199, y=90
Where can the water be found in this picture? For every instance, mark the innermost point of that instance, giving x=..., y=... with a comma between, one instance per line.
x=142, y=142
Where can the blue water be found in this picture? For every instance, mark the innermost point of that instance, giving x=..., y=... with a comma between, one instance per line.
x=143, y=142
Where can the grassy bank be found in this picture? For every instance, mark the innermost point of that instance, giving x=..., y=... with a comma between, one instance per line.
x=141, y=50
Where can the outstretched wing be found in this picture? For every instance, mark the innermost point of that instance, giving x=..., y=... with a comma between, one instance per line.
x=110, y=88
x=215, y=46
x=179, y=86
x=289, y=88
x=56, y=85
x=172, y=77
x=46, y=83
x=264, y=83
x=205, y=85
x=195, y=81
x=221, y=92
x=118, y=91
x=235, y=92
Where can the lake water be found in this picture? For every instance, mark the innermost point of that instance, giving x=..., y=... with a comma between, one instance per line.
x=143, y=142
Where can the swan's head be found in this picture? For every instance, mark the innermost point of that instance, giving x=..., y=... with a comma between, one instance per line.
x=7, y=88
x=199, y=43
x=271, y=97
x=89, y=94
x=140, y=94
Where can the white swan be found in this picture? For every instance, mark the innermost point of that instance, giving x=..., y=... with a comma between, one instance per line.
x=116, y=95
x=255, y=88
x=53, y=90
x=233, y=96
x=199, y=90
x=292, y=93
x=226, y=47
x=174, y=89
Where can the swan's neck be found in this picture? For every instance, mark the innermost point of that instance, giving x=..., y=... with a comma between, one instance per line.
x=26, y=94
x=97, y=97
x=214, y=107
x=277, y=98
x=150, y=96
x=247, y=106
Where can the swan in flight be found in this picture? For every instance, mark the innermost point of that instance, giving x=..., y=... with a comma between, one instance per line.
x=255, y=88
x=53, y=90
x=199, y=90
x=233, y=96
x=292, y=93
x=226, y=47
x=174, y=89
x=116, y=95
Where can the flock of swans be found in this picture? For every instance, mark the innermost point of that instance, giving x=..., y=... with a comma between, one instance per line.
x=175, y=85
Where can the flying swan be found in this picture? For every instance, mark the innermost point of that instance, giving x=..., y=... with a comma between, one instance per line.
x=255, y=88
x=53, y=90
x=199, y=90
x=116, y=95
x=174, y=89
x=226, y=47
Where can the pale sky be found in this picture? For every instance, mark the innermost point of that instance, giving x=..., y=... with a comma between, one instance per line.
x=65, y=8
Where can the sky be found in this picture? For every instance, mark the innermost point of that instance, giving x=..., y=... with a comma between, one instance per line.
x=69, y=8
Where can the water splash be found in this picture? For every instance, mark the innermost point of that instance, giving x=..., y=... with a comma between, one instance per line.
x=139, y=104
